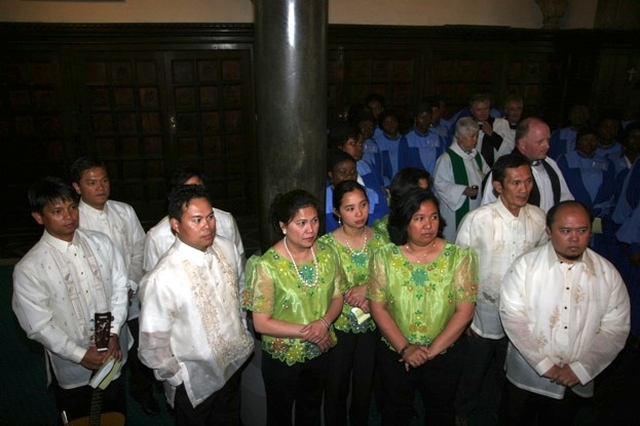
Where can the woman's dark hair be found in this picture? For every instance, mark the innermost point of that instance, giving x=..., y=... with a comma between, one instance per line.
x=340, y=134
x=343, y=188
x=285, y=206
x=407, y=180
x=403, y=210
x=50, y=190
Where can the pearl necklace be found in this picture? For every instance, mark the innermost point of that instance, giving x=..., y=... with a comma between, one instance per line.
x=315, y=265
x=364, y=249
x=416, y=255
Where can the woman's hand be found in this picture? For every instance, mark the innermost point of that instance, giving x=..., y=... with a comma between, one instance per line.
x=414, y=356
x=315, y=332
x=356, y=296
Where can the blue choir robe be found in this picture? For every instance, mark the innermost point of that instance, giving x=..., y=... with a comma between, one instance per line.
x=562, y=141
x=371, y=154
x=420, y=150
x=591, y=181
x=389, y=149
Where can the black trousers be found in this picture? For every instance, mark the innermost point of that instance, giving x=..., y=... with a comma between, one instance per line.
x=302, y=383
x=76, y=402
x=483, y=376
x=141, y=379
x=351, y=363
x=522, y=408
x=222, y=408
x=436, y=380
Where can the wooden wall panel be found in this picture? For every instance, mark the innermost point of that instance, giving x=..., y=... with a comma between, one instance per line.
x=150, y=98
x=122, y=113
x=33, y=126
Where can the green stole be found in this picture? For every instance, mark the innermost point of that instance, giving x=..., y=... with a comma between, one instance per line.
x=460, y=178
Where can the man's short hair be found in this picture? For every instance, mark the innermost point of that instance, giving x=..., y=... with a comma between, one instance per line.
x=183, y=174
x=522, y=129
x=83, y=164
x=553, y=211
x=335, y=156
x=180, y=197
x=49, y=190
x=509, y=161
x=513, y=97
x=374, y=97
x=424, y=106
x=480, y=97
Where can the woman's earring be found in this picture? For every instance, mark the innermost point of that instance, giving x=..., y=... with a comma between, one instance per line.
x=284, y=231
x=339, y=221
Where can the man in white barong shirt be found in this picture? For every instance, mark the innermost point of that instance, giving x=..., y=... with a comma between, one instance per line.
x=565, y=310
x=192, y=330
x=119, y=221
x=160, y=238
x=58, y=286
x=549, y=186
x=458, y=188
x=499, y=232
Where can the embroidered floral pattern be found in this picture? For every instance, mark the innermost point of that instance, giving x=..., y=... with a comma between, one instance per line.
x=274, y=287
x=421, y=298
x=356, y=270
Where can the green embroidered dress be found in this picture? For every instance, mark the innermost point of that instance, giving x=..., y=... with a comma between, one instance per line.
x=272, y=286
x=380, y=226
x=422, y=298
x=355, y=266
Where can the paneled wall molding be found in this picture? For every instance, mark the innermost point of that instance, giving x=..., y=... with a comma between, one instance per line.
x=153, y=97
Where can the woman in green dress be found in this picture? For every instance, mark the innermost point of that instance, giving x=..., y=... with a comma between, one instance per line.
x=351, y=362
x=421, y=295
x=294, y=291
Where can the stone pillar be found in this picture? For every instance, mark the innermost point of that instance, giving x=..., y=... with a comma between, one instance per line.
x=291, y=97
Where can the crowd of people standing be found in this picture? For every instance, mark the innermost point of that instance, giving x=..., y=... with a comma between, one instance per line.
x=458, y=261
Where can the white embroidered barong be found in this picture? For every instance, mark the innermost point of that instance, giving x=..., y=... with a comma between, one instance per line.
x=498, y=237
x=192, y=329
x=55, y=297
x=119, y=221
x=556, y=313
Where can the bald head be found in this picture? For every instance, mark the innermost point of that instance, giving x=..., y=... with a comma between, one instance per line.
x=532, y=138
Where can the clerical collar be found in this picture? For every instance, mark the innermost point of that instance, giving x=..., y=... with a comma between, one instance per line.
x=513, y=126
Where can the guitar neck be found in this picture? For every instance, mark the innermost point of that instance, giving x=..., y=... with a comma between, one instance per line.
x=96, y=407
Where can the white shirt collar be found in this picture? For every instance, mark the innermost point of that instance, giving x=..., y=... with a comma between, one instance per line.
x=57, y=242
x=190, y=253
x=92, y=210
